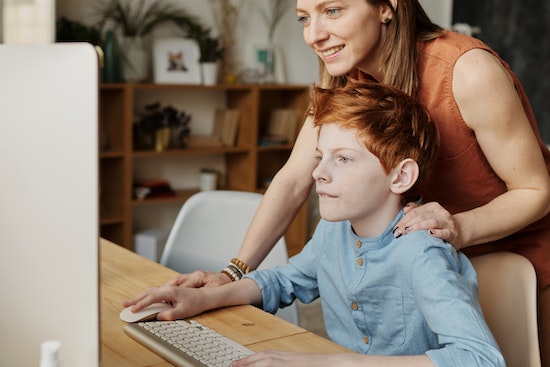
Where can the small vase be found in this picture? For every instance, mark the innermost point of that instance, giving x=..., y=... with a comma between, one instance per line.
x=209, y=71
x=266, y=61
x=279, y=68
x=111, y=60
x=162, y=139
x=208, y=180
x=271, y=63
x=136, y=63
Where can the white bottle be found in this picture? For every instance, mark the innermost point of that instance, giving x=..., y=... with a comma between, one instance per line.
x=49, y=354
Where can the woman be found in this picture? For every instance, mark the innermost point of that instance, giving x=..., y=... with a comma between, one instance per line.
x=490, y=189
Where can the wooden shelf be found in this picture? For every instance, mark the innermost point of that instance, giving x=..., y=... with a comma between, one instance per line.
x=111, y=154
x=270, y=148
x=180, y=197
x=111, y=221
x=189, y=151
x=248, y=166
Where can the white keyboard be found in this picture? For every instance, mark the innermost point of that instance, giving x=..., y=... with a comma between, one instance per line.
x=187, y=344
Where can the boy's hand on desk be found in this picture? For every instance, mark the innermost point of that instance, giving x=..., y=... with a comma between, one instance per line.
x=199, y=279
x=186, y=302
x=281, y=359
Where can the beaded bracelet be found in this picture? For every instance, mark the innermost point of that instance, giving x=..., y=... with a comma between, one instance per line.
x=233, y=272
x=227, y=272
x=236, y=269
x=241, y=265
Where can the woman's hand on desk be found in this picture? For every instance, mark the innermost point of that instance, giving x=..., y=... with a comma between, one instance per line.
x=199, y=279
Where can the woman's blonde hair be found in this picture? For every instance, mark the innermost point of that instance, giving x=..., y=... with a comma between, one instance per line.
x=408, y=26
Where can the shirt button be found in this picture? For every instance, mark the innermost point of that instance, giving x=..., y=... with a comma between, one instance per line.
x=360, y=261
x=354, y=306
x=358, y=244
x=366, y=340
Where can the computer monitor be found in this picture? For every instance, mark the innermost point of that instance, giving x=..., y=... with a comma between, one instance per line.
x=49, y=273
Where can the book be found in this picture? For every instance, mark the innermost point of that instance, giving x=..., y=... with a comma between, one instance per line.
x=224, y=132
x=282, y=127
x=226, y=125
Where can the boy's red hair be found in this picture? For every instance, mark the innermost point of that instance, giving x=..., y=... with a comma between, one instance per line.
x=392, y=125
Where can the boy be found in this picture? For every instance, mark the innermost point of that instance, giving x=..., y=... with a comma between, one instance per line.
x=409, y=301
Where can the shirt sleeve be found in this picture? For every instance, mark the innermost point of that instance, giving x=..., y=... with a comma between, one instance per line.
x=281, y=285
x=445, y=286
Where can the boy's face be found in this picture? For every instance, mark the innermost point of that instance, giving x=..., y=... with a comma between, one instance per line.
x=351, y=182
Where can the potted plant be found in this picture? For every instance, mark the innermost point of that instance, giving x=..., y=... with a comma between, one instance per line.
x=134, y=20
x=137, y=19
x=211, y=52
x=162, y=127
x=68, y=30
x=210, y=47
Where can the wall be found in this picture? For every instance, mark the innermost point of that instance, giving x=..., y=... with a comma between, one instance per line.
x=300, y=62
x=518, y=30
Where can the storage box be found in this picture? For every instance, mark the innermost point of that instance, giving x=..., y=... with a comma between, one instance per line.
x=150, y=243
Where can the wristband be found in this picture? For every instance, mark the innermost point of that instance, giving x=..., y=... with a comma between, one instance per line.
x=241, y=265
x=229, y=273
x=236, y=269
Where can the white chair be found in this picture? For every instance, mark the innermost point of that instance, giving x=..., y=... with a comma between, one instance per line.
x=208, y=232
x=508, y=297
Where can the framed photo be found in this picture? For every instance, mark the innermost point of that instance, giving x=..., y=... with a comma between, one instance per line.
x=176, y=61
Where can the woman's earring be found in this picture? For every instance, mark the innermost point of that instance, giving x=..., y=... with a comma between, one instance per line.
x=387, y=20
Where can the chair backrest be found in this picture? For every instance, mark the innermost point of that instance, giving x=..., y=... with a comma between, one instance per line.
x=208, y=232
x=508, y=297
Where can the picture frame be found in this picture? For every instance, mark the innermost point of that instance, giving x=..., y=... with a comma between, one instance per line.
x=176, y=61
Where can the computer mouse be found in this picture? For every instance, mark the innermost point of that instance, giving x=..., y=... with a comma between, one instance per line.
x=147, y=314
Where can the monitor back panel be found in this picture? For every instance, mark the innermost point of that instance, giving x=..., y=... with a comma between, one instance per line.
x=49, y=203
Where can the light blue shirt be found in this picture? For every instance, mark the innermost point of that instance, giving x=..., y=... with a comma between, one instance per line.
x=385, y=296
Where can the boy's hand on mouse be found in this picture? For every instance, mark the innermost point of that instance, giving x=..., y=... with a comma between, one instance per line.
x=199, y=279
x=186, y=302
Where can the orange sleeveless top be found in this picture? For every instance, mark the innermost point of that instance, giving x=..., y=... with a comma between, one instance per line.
x=462, y=178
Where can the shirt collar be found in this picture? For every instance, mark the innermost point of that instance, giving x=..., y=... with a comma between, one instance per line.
x=380, y=241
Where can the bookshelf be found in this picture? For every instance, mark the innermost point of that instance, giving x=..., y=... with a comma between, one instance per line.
x=247, y=165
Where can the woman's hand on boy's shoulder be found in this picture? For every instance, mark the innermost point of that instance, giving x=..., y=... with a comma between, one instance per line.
x=431, y=217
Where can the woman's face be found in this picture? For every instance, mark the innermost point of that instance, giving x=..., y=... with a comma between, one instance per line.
x=346, y=34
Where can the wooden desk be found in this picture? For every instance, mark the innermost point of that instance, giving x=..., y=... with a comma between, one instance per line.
x=124, y=274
